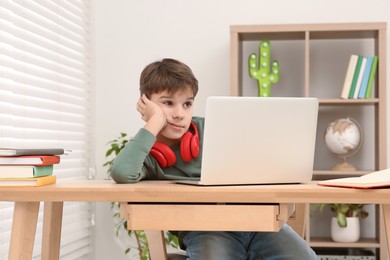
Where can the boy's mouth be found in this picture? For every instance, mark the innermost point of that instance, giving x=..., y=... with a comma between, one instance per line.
x=176, y=126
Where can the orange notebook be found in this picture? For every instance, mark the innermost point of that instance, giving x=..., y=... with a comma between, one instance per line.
x=28, y=182
x=35, y=160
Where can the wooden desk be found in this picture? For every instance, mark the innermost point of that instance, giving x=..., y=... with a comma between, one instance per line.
x=27, y=203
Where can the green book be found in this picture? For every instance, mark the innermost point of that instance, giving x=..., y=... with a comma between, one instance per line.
x=355, y=76
x=372, y=77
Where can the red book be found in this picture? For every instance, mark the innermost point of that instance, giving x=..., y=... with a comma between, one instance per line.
x=35, y=160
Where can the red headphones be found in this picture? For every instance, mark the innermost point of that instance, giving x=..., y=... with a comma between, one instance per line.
x=189, y=149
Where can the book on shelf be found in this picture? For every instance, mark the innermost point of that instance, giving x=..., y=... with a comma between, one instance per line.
x=377, y=179
x=372, y=77
x=30, y=151
x=25, y=171
x=355, y=76
x=366, y=76
x=35, y=160
x=349, y=76
x=28, y=182
x=360, y=77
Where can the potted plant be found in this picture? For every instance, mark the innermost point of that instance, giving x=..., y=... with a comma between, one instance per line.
x=345, y=226
x=141, y=243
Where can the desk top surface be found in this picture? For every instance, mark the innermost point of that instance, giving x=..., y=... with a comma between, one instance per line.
x=166, y=191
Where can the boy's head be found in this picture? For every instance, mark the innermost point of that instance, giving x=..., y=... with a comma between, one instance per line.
x=167, y=75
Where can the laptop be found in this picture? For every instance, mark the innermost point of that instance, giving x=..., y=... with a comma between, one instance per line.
x=258, y=140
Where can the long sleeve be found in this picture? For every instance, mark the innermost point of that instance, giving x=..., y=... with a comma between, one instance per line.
x=128, y=166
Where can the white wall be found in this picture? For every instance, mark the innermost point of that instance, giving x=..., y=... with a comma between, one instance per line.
x=130, y=34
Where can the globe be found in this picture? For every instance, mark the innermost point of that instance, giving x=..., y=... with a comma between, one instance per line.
x=344, y=137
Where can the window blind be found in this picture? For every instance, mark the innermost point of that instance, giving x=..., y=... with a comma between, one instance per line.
x=45, y=101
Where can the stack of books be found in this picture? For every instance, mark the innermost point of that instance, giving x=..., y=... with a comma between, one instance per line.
x=28, y=167
x=360, y=77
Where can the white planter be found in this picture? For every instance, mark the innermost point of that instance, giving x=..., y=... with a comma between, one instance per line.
x=350, y=233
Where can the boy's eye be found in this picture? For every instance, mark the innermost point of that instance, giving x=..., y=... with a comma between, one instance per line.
x=188, y=104
x=167, y=102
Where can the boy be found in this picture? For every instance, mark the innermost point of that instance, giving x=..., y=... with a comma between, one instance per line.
x=169, y=147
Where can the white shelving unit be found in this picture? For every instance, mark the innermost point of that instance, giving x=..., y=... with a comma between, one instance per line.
x=313, y=60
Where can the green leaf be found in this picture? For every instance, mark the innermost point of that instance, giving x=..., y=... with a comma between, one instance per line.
x=342, y=211
x=109, y=152
x=341, y=220
x=107, y=163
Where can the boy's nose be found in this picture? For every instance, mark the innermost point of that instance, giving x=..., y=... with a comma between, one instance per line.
x=178, y=113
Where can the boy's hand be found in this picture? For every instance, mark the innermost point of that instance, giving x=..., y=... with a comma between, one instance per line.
x=152, y=114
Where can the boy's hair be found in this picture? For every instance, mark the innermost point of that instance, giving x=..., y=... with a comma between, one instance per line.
x=167, y=74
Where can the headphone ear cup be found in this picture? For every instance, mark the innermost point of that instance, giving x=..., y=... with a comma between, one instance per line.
x=195, y=146
x=190, y=145
x=164, y=156
x=185, y=147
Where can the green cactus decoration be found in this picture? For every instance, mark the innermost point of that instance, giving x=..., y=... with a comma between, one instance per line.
x=263, y=72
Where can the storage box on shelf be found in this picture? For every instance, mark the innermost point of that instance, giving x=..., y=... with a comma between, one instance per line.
x=313, y=61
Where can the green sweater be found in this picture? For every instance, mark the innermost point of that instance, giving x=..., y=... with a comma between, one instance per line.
x=134, y=163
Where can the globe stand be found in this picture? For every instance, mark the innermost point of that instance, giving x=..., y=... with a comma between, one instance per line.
x=344, y=166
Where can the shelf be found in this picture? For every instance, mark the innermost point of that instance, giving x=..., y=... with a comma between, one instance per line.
x=328, y=174
x=317, y=31
x=327, y=242
x=348, y=102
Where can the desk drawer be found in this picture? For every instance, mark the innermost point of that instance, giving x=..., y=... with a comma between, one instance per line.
x=206, y=217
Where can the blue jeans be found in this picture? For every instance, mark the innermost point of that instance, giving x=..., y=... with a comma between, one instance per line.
x=209, y=245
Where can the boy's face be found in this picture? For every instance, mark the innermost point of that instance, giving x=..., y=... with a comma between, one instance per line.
x=177, y=108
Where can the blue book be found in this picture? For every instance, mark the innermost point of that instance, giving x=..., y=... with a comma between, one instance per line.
x=366, y=76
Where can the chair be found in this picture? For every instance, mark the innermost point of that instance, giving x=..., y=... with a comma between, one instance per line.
x=295, y=216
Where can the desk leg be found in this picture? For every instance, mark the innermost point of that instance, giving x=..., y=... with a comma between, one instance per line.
x=386, y=218
x=157, y=248
x=51, y=236
x=24, y=225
